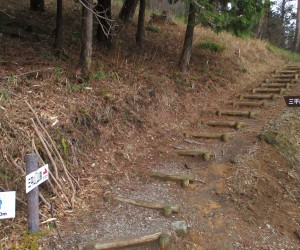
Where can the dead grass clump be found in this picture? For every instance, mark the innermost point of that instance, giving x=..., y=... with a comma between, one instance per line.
x=246, y=177
x=282, y=133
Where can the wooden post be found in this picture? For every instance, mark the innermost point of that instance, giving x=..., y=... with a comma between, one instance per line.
x=31, y=161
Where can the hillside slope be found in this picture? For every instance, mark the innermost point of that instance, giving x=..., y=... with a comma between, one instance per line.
x=126, y=122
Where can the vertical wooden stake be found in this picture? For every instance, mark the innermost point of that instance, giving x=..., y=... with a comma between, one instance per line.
x=31, y=161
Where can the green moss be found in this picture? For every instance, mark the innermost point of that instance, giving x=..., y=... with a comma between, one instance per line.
x=29, y=241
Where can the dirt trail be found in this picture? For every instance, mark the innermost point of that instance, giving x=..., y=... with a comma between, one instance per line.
x=232, y=210
x=129, y=121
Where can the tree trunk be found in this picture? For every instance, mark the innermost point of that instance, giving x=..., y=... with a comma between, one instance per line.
x=59, y=26
x=103, y=9
x=282, y=20
x=128, y=9
x=259, y=31
x=37, y=5
x=188, y=40
x=263, y=22
x=141, y=22
x=87, y=39
x=297, y=31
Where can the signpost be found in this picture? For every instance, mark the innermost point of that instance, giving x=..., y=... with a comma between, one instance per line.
x=37, y=177
x=7, y=204
x=34, y=177
x=292, y=101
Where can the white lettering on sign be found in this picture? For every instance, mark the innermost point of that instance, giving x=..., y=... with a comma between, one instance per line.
x=7, y=204
x=292, y=101
x=36, y=178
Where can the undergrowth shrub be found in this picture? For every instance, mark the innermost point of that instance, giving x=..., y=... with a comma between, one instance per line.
x=283, y=52
x=210, y=45
x=152, y=28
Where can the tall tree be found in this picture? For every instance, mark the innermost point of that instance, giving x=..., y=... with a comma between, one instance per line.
x=37, y=5
x=297, y=31
x=280, y=29
x=141, y=23
x=104, y=29
x=59, y=26
x=87, y=39
x=239, y=18
x=188, y=40
x=263, y=22
x=128, y=9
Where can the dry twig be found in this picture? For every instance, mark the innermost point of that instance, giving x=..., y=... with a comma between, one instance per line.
x=55, y=150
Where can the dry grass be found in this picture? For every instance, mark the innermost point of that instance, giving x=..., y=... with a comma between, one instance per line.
x=135, y=102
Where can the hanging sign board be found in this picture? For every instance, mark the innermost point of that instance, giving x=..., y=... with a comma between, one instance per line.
x=36, y=178
x=292, y=101
x=7, y=204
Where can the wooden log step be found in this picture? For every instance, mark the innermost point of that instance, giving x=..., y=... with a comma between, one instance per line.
x=163, y=239
x=280, y=80
x=236, y=125
x=286, y=71
x=290, y=81
x=292, y=67
x=285, y=76
x=222, y=137
x=184, y=179
x=258, y=97
x=275, y=85
x=249, y=114
x=248, y=104
x=268, y=90
x=194, y=153
x=167, y=208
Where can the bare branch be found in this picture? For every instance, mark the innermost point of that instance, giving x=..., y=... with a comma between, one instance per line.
x=99, y=16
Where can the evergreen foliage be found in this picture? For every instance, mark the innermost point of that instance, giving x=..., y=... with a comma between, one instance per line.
x=210, y=45
x=237, y=17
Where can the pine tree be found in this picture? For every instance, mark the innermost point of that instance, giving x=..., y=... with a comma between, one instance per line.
x=238, y=17
x=297, y=31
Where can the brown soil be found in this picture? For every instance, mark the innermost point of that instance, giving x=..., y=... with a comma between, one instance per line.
x=129, y=120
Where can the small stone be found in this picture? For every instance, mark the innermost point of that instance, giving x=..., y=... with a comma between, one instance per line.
x=167, y=211
x=180, y=227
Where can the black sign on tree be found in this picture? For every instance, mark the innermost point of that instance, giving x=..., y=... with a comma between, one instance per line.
x=292, y=101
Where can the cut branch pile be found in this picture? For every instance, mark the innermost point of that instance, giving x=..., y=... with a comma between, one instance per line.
x=61, y=181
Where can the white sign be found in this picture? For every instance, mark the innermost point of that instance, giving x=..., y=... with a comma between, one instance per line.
x=36, y=178
x=7, y=204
